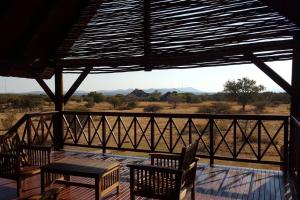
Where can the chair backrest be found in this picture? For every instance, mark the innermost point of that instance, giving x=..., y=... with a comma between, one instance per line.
x=10, y=143
x=189, y=155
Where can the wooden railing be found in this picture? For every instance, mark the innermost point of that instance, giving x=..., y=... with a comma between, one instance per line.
x=33, y=128
x=294, y=150
x=245, y=138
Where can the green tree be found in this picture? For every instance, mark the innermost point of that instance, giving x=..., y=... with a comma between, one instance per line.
x=115, y=101
x=154, y=96
x=174, y=99
x=243, y=90
x=97, y=97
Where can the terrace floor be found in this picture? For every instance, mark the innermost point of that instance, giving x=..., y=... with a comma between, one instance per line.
x=218, y=182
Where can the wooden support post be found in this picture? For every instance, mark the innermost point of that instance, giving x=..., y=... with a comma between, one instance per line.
x=58, y=128
x=77, y=83
x=295, y=100
x=270, y=72
x=45, y=87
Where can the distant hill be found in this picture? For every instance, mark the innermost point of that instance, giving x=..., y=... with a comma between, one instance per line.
x=179, y=90
x=151, y=90
x=129, y=90
x=115, y=92
x=138, y=94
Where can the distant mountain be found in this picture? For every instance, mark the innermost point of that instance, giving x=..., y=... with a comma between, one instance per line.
x=161, y=90
x=179, y=90
x=115, y=92
x=129, y=90
x=138, y=94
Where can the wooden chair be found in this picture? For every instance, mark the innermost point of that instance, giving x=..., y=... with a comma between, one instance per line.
x=168, y=177
x=19, y=161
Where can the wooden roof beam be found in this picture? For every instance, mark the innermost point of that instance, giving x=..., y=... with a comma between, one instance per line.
x=147, y=34
x=179, y=59
x=270, y=72
x=45, y=87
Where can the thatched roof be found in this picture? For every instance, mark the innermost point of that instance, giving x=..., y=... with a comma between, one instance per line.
x=131, y=35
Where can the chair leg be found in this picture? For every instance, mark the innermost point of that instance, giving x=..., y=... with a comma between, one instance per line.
x=118, y=189
x=132, y=197
x=67, y=178
x=19, y=187
x=193, y=192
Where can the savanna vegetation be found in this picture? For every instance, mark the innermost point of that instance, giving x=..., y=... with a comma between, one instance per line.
x=243, y=96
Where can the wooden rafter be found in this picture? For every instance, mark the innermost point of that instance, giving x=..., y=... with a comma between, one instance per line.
x=270, y=72
x=147, y=34
x=77, y=83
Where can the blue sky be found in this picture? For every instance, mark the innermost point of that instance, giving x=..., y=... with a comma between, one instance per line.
x=209, y=79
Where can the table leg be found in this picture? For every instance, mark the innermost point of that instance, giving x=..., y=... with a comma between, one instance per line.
x=42, y=181
x=67, y=178
x=118, y=180
x=97, y=188
x=118, y=189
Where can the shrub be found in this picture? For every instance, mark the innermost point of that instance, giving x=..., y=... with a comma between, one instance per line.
x=131, y=105
x=77, y=99
x=80, y=108
x=152, y=108
x=90, y=103
x=217, y=108
x=30, y=102
x=274, y=103
x=97, y=97
x=115, y=101
x=260, y=106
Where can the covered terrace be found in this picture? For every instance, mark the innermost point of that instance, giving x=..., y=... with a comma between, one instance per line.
x=41, y=39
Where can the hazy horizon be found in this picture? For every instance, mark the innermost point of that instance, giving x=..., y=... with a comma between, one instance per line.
x=209, y=79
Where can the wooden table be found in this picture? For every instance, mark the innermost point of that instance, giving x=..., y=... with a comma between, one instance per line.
x=105, y=173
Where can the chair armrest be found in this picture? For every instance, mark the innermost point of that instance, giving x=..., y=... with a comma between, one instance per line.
x=37, y=147
x=9, y=165
x=38, y=155
x=165, y=160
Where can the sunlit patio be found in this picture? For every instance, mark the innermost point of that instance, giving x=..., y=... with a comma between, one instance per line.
x=218, y=182
x=45, y=39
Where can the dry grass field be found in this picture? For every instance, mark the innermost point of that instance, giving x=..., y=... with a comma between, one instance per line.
x=181, y=107
x=9, y=117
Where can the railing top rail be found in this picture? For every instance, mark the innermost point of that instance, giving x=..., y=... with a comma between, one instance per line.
x=41, y=113
x=17, y=124
x=185, y=115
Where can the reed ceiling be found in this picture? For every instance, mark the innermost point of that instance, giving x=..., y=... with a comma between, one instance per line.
x=132, y=35
x=109, y=36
